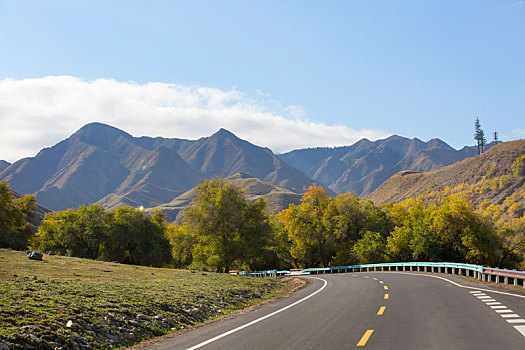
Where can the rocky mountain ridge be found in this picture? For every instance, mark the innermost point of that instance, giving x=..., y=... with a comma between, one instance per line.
x=100, y=163
x=365, y=165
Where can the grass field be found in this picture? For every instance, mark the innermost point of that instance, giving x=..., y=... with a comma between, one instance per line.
x=71, y=303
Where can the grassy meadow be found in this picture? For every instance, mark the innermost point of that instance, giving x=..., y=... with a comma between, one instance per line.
x=72, y=303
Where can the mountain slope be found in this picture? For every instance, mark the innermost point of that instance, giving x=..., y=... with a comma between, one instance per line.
x=3, y=165
x=363, y=166
x=278, y=197
x=100, y=163
x=487, y=179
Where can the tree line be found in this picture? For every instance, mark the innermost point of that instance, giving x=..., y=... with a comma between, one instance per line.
x=222, y=231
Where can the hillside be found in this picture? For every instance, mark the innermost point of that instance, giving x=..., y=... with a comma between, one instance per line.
x=487, y=180
x=72, y=303
x=365, y=165
x=3, y=165
x=278, y=197
x=100, y=163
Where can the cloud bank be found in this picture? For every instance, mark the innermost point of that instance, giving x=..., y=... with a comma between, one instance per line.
x=38, y=113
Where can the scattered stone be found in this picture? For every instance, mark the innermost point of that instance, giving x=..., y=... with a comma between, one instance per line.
x=33, y=278
x=4, y=346
x=133, y=323
x=158, y=317
x=69, y=324
x=34, y=255
x=142, y=317
x=102, y=323
x=55, y=345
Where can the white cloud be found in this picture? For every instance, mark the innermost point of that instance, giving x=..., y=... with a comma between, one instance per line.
x=37, y=113
x=519, y=4
x=519, y=132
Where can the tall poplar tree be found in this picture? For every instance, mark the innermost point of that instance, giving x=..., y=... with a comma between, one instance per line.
x=479, y=136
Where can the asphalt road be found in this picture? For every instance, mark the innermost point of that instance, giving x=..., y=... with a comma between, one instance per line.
x=374, y=310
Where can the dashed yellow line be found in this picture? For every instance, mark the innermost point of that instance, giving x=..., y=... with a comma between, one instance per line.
x=381, y=282
x=354, y=275
x=386, y=296
x=365, y=337
x=386, y=287
x=375, y=279
x=381, y=310
x=366, y=276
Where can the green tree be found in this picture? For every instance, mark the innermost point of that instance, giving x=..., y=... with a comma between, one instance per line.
x=309, y=228
x=371, y=248
x=229, y=231
x=256, y=237
x=464, y=234
x=75, y=232
x=479, y=136
x=15, y=215
x=182, y=243
x=126, y=234
x=136, y=238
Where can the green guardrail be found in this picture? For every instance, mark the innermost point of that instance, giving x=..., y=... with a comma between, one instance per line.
x=471, y=267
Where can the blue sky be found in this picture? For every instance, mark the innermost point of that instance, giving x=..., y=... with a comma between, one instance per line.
x=347, y=69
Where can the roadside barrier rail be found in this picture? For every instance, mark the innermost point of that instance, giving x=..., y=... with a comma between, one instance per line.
x=482, y=273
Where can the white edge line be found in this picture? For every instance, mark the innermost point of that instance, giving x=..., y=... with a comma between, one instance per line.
x=520, y=329
x=259, y=319
x=462, y=286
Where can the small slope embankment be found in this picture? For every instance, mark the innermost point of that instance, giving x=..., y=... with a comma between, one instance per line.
x=72, y=303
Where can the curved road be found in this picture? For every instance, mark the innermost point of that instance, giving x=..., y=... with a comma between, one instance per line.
x=373, y=310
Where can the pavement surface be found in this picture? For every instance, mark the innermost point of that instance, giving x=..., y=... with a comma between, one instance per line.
x=373, y=310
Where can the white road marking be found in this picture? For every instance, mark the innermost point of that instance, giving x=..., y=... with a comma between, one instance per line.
x=260, y=318
x=462, y=286
x=484, y=297
x=479, y=294
x=495, y=303
x=520, y=329
x=475, y=291
x=504, y=311
x=516, y=320
x=498, y=307
x=510, y=315
x=488, y=300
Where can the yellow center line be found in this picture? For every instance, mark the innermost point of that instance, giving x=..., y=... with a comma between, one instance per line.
x=381, y=282
x=354, y=275
x=375, y=279
x=386, y=296
x=366, y=277
x=386, y=287
x=365, y=337
x=381, y=310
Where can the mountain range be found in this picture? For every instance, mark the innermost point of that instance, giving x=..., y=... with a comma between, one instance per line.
x=102, y=164
x=365, y=165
